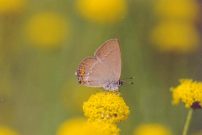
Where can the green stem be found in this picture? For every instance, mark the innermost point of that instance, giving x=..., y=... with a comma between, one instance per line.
x=187, y=122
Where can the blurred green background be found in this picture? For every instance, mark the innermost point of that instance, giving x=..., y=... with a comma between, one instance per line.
x=43, y=41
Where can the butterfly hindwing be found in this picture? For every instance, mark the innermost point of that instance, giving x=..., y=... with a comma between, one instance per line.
x=109, y=53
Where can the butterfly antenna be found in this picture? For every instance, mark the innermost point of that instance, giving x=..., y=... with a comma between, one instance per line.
x=131, y=83
x=129, y=78
x=127, y=82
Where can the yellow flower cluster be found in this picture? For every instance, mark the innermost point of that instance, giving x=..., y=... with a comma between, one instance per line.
x=102, y=11
x=152, y=129
x=6, y=131
x=175, y=31
x=189, y=92
x=11, y=6
x=103, y=110
x=47, y=30
x=80, y=127
x=106, y=106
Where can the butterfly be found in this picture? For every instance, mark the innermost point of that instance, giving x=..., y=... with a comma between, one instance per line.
x=103, y=69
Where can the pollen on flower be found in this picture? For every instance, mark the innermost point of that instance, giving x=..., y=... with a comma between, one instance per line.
x=189, y=92
x=152, y=129
x=106, y=106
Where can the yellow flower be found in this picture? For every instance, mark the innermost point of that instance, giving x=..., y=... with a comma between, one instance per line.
x=152, y=129
x=47, y=30
x=100, y=128
x=175, y=37
x=106, y=106
x=72, y=127
x=176, y=9
x=11, y=6
x=102, y=11
x=189, y=92
x=81, y=127
x=7, y=131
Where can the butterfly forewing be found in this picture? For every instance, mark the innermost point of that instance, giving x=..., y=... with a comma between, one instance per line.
x=104, y=67
x=109, y=54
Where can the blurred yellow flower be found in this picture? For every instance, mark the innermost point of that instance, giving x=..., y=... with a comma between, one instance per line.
x=101, y=128
x=102, y=11
x=72, y=127
x=106, y=106
x=81, y=127
x=7, y=131
x=11, y=6
x=175, y=37
x=47, y=30
x=189, y=92
x=177, y=9
x=152, y=129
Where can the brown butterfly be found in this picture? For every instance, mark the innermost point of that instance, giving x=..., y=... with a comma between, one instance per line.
x=103, y=69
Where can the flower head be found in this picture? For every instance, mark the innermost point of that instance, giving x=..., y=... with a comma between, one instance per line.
x=7, y=131
x=176, y=9
x=175, y=37
x=106, y=106
x=11, y=6
x=152, y=129
x=47, y=29
x=189, y=92
x=102, y=11
x=81, y=127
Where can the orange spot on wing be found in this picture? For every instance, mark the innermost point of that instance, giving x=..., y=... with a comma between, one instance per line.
x=81, y=73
